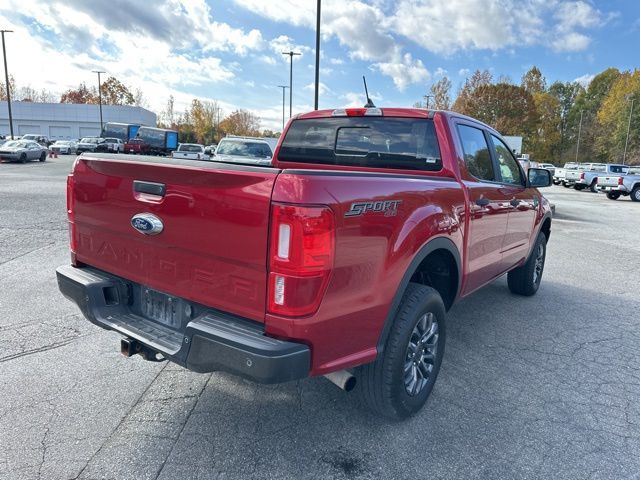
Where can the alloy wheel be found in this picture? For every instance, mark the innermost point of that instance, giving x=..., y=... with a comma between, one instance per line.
x=421, y=354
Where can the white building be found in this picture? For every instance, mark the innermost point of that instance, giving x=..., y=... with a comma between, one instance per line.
x=68, y=120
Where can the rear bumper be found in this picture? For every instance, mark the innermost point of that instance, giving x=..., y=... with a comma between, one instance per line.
x=208, y=341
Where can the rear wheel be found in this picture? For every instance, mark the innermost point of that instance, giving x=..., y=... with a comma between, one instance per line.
x=579, y=187
x=635, y=194
x=613, y=195
x=526, y=279
x=23, y=158
x=398, y=383
x=566, y=185
x=594, y=187
x=43, y=156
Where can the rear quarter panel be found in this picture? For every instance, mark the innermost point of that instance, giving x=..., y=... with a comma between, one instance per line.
x=373, y=252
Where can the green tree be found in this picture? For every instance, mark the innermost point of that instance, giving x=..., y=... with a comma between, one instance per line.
x=471, y=84
x=566, y=93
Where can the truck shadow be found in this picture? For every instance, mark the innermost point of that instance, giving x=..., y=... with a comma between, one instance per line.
x=521, y=379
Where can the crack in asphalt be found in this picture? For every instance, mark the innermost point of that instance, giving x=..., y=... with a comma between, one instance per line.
x=115, y=429
x=184, y=424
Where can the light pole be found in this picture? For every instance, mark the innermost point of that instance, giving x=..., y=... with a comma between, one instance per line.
x=99, y=96
x=283, y=87
x=427, y=98
x=315, y=103
x=291, y=55
x=6, y=76
x=626, y=143
x=579, y=132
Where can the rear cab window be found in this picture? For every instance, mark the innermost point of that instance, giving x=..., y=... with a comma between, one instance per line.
x=371, y=142
x=476, y=153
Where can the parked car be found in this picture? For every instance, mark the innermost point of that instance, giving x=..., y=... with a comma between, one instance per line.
x=588, y=178
x=111, y=145
x=340, y=259
x=88, y=144
x=66, y=147
x=34, y=137
x=190, y=151
x=572, y=177
x=136, y=146
x=247, y=150
x=23, y=151
x=616, y=186
x=549, y=166
x=560, y=173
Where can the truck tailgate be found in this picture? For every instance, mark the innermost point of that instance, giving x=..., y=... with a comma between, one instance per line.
x=213, y=245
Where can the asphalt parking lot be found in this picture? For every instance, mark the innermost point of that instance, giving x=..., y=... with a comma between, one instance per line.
x=541, y=387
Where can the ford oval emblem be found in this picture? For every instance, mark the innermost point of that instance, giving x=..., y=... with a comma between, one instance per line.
x=147, y=223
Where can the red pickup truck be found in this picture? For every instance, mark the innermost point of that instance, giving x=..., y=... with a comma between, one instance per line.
x=340, y=259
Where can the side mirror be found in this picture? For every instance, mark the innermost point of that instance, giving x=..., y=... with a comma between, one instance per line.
x=538, y=177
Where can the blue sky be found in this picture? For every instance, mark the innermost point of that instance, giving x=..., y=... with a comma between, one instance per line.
x=229, y=50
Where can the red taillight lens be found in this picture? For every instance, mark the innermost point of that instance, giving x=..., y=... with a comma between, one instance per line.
x=301, y=258
x=582, y=176
x=71, y=215
x=620, y=181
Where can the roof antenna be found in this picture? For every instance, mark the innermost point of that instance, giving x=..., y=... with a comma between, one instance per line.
x=369, y=103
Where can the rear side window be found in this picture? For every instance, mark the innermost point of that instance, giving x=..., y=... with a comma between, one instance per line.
x=476, y=153
x=377, y=142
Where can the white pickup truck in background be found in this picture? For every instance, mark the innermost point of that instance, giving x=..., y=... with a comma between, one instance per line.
x=191, y=151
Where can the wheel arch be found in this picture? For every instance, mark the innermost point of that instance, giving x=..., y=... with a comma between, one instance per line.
x=441, y=248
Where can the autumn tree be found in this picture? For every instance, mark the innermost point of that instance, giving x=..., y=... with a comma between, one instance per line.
x=203, y=119
x=614, y=115
x=471, y=84
x=12, y=88
x=115, y=92
x=533, y=81
x=440, y=93
x=82, y=94
x=241, y=122
x=587, y=105
x=544, y=143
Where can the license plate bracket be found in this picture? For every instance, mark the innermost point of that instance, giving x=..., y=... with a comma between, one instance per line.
x=162, y=308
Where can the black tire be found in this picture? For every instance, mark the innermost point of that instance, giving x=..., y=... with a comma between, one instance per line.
x=525, y=280
x=566, y=185
x=43, y=156
x=635, y=193
x=23, y=158
x=383, y=384
x=613, y=195
x=579, y=187
x=594, y=187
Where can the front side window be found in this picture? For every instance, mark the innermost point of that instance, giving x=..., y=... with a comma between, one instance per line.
x=476, y=153
x=509, y=169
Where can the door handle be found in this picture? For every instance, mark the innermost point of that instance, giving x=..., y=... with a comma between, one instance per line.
x=150, y=188
x=515, y=202
x=483, y=202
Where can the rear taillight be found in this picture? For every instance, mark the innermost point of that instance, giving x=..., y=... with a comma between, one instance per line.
x=300, y=258
x=71, y=217
x=582, y=176
x=357, y=112
x=620, y=181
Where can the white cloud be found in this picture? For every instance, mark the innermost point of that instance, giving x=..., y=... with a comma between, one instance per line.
x=571, y=42
x=323, y=88
x=440, y=72
x=405, y=72
x=463, y=72
x=339, y=61
x=585, y=79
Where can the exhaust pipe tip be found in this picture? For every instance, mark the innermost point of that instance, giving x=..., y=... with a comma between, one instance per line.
x=342, y=379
